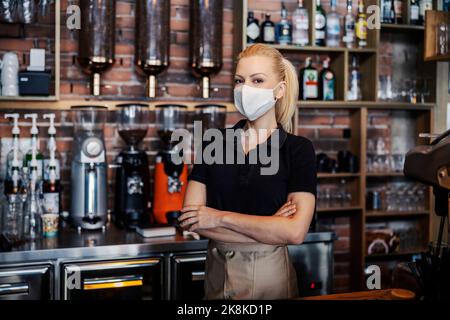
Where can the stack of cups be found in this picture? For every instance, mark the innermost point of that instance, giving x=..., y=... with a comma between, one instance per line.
x=10, y=71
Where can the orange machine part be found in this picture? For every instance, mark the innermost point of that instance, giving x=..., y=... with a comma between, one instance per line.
x=163, y=201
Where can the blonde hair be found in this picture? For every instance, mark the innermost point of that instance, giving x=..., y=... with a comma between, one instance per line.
x=283, y=68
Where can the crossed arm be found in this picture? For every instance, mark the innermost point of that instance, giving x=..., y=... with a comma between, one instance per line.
x=289, y=225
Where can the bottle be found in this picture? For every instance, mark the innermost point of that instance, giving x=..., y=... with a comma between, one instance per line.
x=424, y=5
x=300, y=25
x=354, y=90
x=392, y=11
x=327, y=82
x=268, y=30
x=253, y=30
x=414, y=12
x=398, y=11
x=386, y=6
x=320, y=24
x=33, y=206
x=349, y=27
x=446, y=5
x=284, y=28
x=309, y=81
x=34, y=132
x=13, y=178
x=333, y=26
x=361, y=26
x=51, y=188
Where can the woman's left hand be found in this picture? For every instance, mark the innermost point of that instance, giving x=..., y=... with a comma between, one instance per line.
x=199, y=217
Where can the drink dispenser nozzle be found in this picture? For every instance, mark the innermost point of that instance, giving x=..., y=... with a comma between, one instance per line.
x=51, y=145
x=34, y=133
x=15, y=165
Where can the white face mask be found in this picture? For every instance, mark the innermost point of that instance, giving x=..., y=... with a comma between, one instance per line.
x=253, y=102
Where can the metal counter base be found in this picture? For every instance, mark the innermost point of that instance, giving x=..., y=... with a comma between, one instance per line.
x=120, y=264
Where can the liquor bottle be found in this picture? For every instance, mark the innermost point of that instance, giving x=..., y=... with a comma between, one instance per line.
x=349, y=27
x=268, y=30
x=354, y=89
x=414, y=12
x=33, y=207
x=361, y=26
x=34, y=133
x=300, y=25
x=309, y=81
x=253, y=30
x=333, y=26
x=398, y=11
x=51, y=188
x=284, y=29
x=446, y=5
x=392, y=11
x=385, y=7
x=327, y=82
x=320, y=24
x=424, y=5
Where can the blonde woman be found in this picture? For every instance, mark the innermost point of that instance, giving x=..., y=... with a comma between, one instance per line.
x=250, y=217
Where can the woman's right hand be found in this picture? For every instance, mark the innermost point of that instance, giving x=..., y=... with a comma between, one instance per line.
x=286, y=210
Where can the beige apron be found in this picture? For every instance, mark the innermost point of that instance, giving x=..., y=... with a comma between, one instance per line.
x=249, y=271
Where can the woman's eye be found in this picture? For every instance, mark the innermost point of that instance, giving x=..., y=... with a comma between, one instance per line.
x=258, y=81
x=237, y=81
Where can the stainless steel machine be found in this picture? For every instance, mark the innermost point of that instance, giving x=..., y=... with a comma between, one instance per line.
x=89, y=168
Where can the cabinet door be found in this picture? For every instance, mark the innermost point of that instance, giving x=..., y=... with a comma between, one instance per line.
x=188, y=276
x=132, y=279
x=25, y=282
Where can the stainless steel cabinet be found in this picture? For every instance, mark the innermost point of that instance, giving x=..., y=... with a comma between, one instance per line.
x=187, y=276
x=26, y=282
x=130, y=279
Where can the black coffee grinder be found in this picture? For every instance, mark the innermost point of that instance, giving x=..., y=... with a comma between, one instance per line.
x=132, y=197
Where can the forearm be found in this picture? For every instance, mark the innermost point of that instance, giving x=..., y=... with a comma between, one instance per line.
x=264, y=229
x=225, y=235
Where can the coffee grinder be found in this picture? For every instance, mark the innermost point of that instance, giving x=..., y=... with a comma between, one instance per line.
x=170, y=177
x=89, y=168
x=132, y=190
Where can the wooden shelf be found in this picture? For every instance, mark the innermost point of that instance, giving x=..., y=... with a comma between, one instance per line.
x=367, y=104
x=395, y=214
x=339, y=209
x=393, y=256
x=28, y=98
x=432, y=20
x=384, y=174
x=401, y=27
x=323, y=175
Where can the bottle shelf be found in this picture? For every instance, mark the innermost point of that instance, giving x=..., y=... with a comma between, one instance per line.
x=402, y=27
x=395, y=214
x=367, y=104
x=323, y=175
x=339, y=209
x=384, y=174
x=28, y=98
x=393, y=255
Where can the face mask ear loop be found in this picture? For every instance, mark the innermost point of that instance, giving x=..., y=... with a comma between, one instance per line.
x=274, y=95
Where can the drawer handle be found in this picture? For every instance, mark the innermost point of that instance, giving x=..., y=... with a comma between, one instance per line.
x=112, y=283
x=198, y=275
x=14, y=288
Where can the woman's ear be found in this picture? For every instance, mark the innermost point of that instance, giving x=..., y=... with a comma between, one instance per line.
x=281, y=90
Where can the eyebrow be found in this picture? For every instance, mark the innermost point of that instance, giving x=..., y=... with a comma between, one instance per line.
x=255, y=74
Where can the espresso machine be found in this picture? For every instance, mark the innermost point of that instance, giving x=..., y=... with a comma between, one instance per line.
x=132, y=189
x=170, y=177
x=89, y=168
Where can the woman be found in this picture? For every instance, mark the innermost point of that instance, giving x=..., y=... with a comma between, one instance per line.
x=249, y=217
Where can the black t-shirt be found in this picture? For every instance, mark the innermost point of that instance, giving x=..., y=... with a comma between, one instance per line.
x=243, y=188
